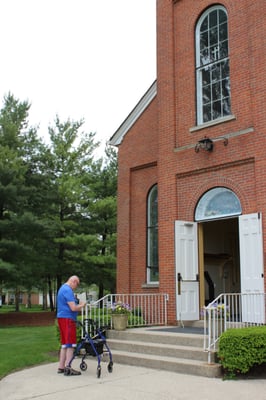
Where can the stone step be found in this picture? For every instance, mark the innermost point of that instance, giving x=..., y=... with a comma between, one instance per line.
x=184, y=366
x=168, y=350
x=143, y=335
x=162, y=349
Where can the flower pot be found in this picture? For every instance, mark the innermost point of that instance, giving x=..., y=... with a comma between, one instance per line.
x=119, y=321
x=216, y=327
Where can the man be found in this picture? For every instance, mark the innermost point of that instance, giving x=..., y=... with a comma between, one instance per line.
x=67, y=311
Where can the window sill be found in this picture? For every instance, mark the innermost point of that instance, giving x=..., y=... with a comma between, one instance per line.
x=212, y=123
x=150, y=285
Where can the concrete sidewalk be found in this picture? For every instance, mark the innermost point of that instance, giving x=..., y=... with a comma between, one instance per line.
x=124, y=383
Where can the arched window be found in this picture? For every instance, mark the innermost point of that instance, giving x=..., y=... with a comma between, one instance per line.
x=219, y=202
x=212, y=66
x=152, y=236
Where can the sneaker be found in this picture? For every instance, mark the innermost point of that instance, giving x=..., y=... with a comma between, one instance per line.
x=70, y=371
x=60, y=370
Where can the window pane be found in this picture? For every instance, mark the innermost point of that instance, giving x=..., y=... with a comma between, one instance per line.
x=213, y=79
x=224, y=49
x=216, y=73
x=223, y=32
x=216, y=109
x=207, y=113
x=216, y=203
x=154, y=275
x=206, y=77
x=213, y=18
x=153, y=208
x=204, y=25
x=206, y=94
x=226, y=88
x=153, y=247
x=152, y=236
x=226, y=106
x=216, y=92
x=213, y=36
x=222, y=16
x=225, y=70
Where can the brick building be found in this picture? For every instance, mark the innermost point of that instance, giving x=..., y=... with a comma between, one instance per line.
x=192, y=161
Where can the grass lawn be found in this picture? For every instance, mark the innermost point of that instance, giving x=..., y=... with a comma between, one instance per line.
x=9, y=308
x=22, y=347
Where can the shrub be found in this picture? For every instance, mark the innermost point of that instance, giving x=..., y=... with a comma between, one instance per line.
x=242, y=349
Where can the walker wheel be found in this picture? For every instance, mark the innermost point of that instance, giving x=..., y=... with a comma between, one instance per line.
x=83, y=366
x=98, y=372
x=110, y=367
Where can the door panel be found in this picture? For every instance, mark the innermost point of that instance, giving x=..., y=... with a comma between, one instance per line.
x=186, y=258
x=251, y=266
x=188, y=301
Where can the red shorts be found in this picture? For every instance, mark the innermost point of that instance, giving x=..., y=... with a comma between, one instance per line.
x=68, y=332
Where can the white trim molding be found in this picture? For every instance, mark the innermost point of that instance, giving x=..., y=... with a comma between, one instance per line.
x=119, y=134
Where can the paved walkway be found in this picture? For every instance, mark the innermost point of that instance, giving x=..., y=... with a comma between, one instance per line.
x=124, y=383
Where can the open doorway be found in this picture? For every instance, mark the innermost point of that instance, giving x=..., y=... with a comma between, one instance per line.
x=217, y=256
x=221, y=258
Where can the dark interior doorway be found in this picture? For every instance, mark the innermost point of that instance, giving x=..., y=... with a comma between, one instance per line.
x=221, y=257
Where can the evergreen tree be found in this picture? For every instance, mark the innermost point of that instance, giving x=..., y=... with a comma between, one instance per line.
x=97, y=242
x=57, y=205
x=18, y=224
x=70, y=169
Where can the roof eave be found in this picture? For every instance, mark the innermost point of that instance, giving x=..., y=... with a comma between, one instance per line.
x=119, y=134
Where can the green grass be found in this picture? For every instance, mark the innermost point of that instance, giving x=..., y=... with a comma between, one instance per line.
x=22, y=347
x=11, y=308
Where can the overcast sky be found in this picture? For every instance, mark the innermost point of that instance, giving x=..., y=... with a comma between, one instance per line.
x=91, y=59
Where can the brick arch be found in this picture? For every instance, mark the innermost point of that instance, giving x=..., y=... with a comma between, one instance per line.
x=200, y=7
x=209, y=184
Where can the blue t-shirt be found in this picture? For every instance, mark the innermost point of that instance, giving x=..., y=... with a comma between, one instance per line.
x=65, y=295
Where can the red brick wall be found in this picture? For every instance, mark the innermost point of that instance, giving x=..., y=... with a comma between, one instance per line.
x=154, y=150
x=137, y=174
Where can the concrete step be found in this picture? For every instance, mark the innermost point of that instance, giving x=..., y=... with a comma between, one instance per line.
x=180, y=365
x=168, y=350
x=171, y=351
x=148, y=335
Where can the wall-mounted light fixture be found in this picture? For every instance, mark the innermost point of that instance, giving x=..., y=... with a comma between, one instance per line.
x=207, y=143
x=204, y=144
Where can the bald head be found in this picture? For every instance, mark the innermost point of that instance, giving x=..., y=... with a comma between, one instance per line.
x=73, y=281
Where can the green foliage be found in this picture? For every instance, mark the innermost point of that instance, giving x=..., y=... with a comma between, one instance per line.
x=241, y=349
x=24, y=347
x=57, y=205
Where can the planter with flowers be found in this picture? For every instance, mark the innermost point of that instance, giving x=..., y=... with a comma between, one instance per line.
x=119, y=313
x=218, y=313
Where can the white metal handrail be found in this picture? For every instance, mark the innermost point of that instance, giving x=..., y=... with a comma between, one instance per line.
x=231, y=310
x=145, y=309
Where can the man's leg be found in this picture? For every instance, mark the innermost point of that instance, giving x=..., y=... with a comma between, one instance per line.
x=69, y=355
x=62, y=358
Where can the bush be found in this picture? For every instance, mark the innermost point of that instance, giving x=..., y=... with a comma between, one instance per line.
x=242, y=349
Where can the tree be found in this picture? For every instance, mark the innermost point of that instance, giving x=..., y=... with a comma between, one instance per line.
x=70, y=163
x=17, y=223
x=57, y=205
x=99, y=245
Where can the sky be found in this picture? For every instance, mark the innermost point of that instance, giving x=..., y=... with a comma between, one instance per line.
x=78, y=59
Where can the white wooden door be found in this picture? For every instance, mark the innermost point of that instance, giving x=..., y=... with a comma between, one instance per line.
x=251, y=267
x=186, y=260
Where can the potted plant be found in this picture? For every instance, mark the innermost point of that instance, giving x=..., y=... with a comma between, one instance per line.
x=119, y=313
x=218, y=313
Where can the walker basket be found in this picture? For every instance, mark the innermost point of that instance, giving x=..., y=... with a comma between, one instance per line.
x=98, y=344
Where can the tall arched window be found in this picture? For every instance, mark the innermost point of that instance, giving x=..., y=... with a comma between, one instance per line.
x=212, y=65
x=152, y=236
